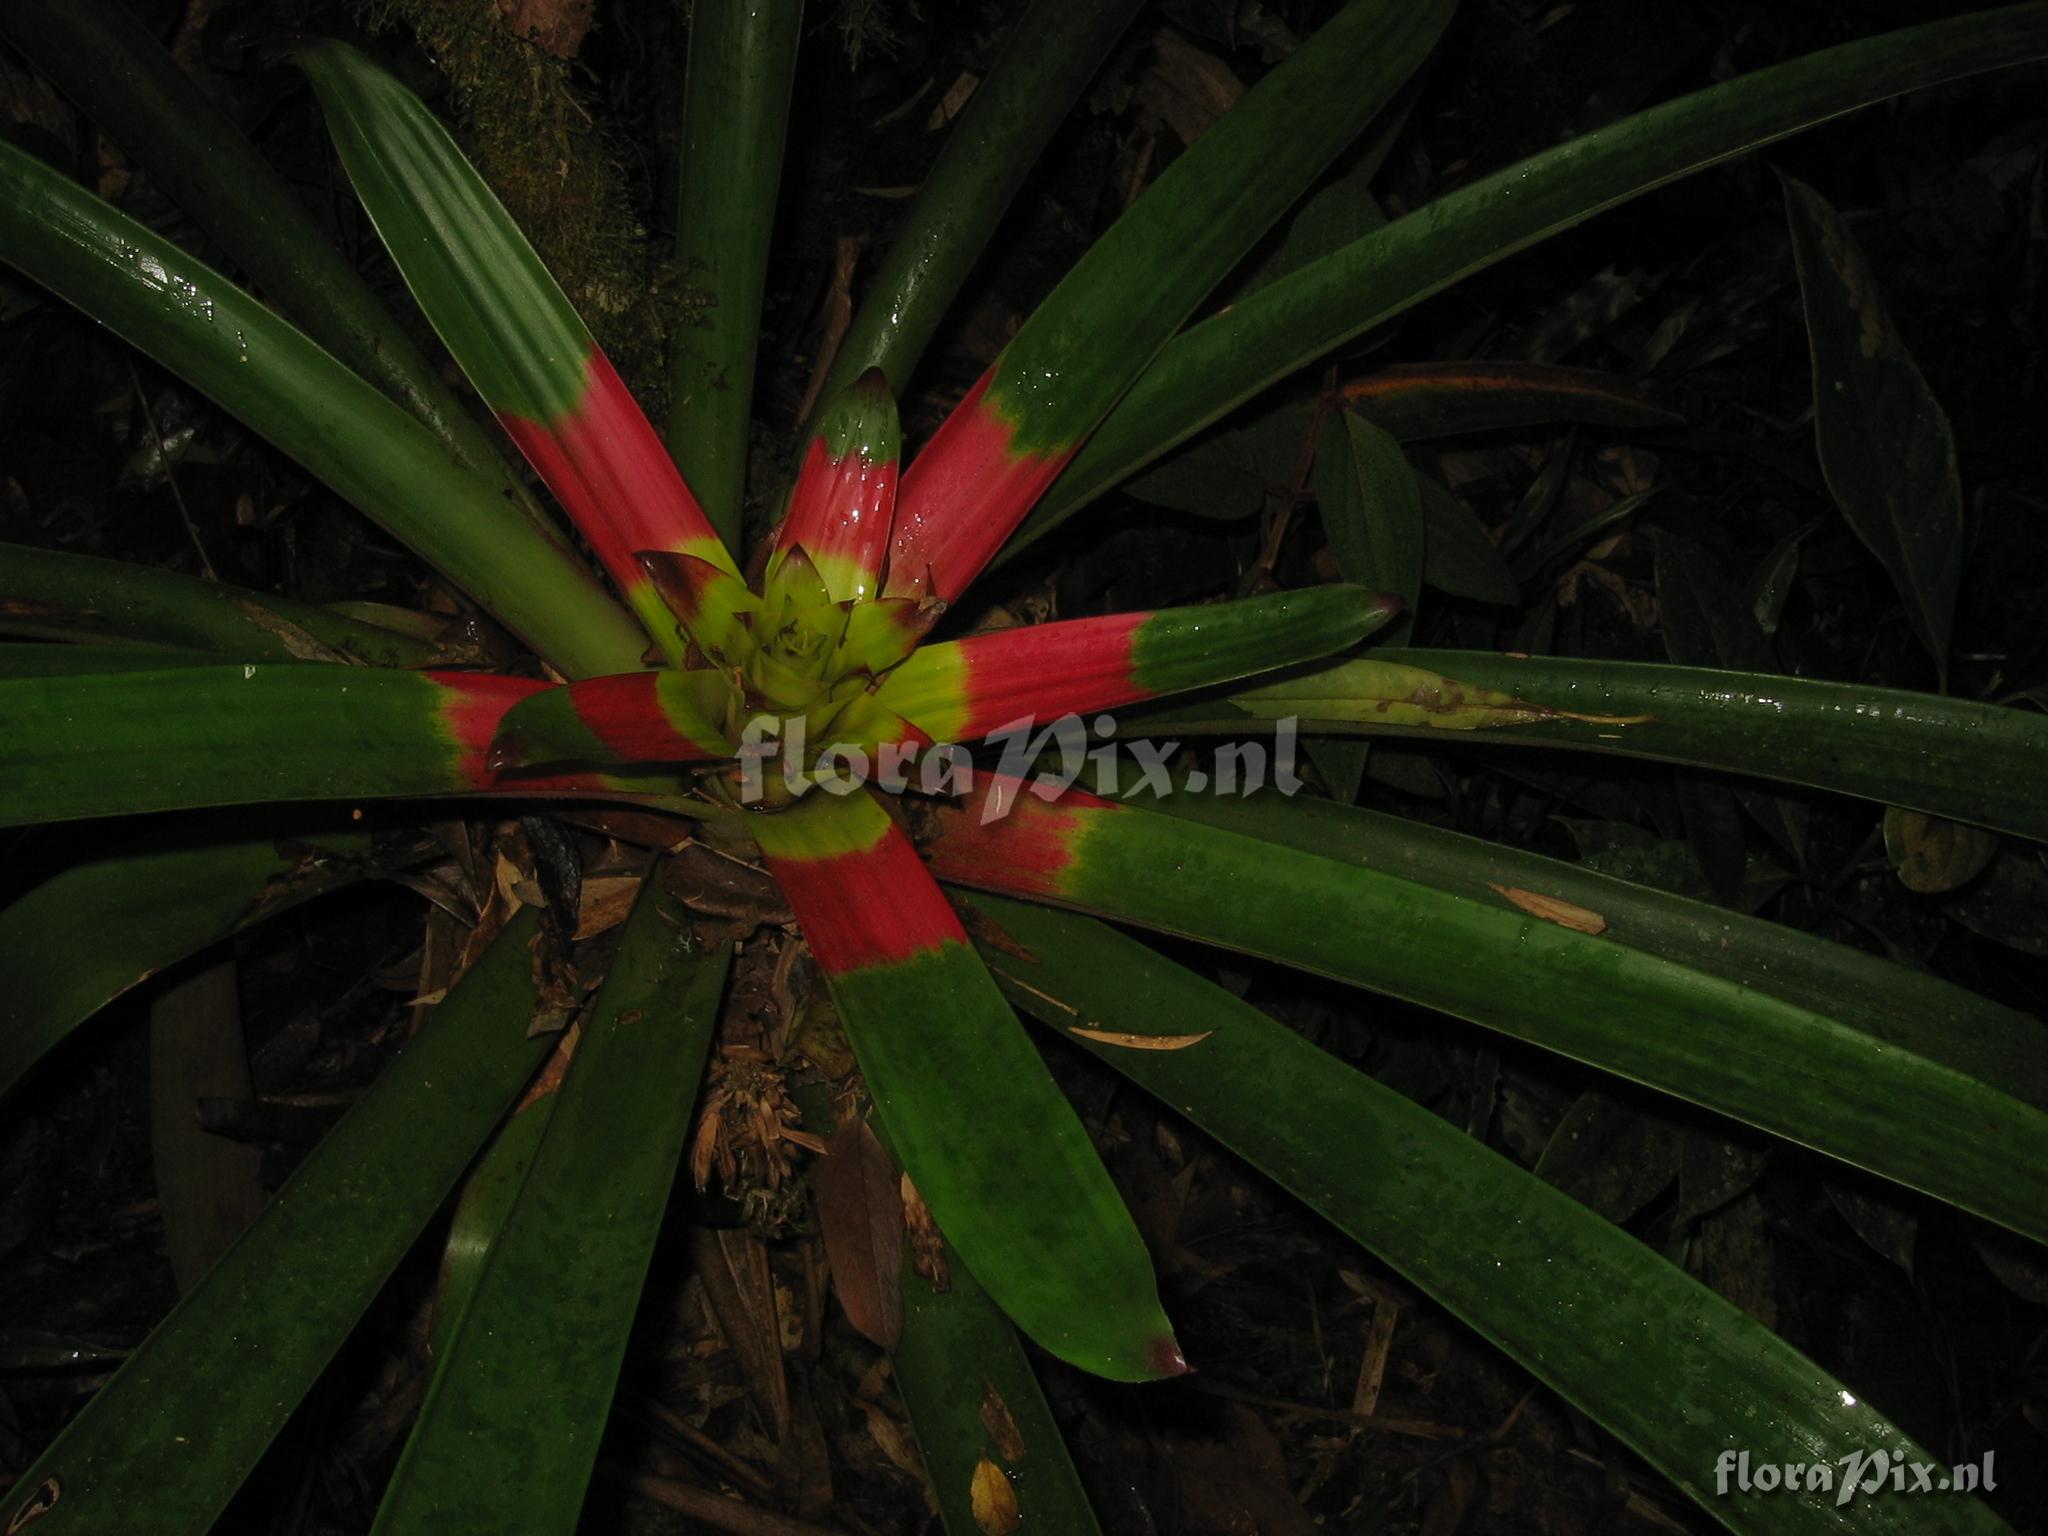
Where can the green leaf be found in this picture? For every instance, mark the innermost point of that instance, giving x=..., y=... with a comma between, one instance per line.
x=283, y=385
x=1958, y=758
x=1707, y=623
x=1458, y=556
x=1226, y=359
x=1448, y=399
x=1050, y=56
x=1135, y=286
x=963, y=1099
x=1538, y=975
x=1885, y=444
x=736, y=98
x=83, y=937
x=1372, y=510
x=101, y=55
x=527, y=1377
x=117, y=743
x=972, y=1396
x=184, y=1421
x=1627, y=887
x=1673, y=1370
x=76, y=597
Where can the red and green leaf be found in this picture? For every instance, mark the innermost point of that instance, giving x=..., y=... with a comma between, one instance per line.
x=992, y=1145
x=118, y=743
x=845, y=498
x=1789, y=1068
x=1080, y=350
x=634, y=717
x=513, y=330
x=966, y=689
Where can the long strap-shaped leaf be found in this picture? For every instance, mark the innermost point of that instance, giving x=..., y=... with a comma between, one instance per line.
x=101, y=55
x=736, y=97
x=1678, y=1373
x=1919, y=1012
x=166, y=1443
x=51, y=595
x=1791, y=1070
x=510, y=326
x=1230, y=357
x=1080, y=350
x=1968, y=761
x=509, y=1430
x=996, y=1151
x=117, y=743
x=965, y=689
x=272, y=377
x=980, y=1417
x=1047, y=61
x=85, y=936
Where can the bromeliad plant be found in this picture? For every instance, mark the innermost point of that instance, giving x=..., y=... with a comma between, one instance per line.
x=170, y=695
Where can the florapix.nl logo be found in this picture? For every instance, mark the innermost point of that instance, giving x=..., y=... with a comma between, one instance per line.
x=1858, y=1474
x=776, y=761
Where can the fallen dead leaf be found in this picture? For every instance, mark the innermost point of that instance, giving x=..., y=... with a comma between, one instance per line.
x=993, y=1500
x=1551, y=910
x=1001, y=1425
x=1132, y=1042
x=606, y=901
x=860, y=1212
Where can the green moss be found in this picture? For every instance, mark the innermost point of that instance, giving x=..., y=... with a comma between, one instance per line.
x=542, y=149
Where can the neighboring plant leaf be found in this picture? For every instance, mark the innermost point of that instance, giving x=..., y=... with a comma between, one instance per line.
x=1420, y=400
x=287, y=389
x=1933, y=855
x=1372, y=510
x=966, y=1105
x=1224, y=360
x=1611, y=1156
x=509, y=1430
x=1649, y=1353
x=1458, y=556
x=1706, y=623
x=187, y=1417
x=1884, y=440
x=1686, y=1032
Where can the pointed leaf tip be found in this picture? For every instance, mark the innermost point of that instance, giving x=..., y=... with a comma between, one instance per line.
x=1167, y=1360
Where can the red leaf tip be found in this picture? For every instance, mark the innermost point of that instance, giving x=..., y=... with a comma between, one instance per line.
x=1166, y=1360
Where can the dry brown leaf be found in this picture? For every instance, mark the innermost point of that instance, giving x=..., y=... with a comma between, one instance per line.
x=606, y=901
x=927, y=1248
x=860, y=1213
x=953, y=102
x=1001, y=1425
x=1551, y=910
x=1132, y=1042
x=993, y=1500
